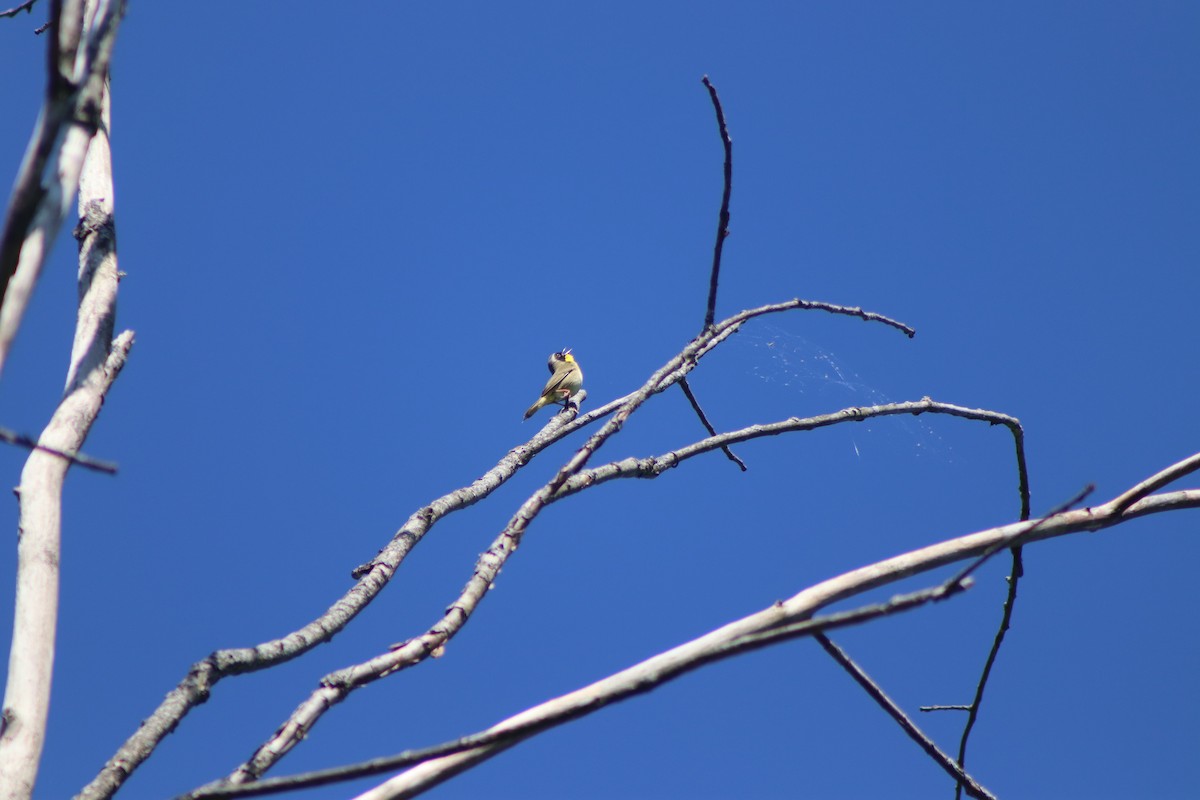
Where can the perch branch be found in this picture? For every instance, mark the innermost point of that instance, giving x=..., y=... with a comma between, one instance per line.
x=197, y=685
x=335, y=687
x=371, y=577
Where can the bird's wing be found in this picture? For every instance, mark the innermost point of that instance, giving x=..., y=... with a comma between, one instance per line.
x=556, y=380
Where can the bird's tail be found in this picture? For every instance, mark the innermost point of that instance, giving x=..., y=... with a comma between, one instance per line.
x=533, y=408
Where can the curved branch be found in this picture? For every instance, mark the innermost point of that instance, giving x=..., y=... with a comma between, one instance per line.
x=653, y=466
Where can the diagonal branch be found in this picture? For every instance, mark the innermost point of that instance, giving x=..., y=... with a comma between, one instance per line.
x=372, y=577
x=12, y=12
x=687, y=390
x=536, y=724
x=962, y=780
x=974, y=788
x=798, y=609
x=1018, y=538
x=1155, y=482
x=77, y=458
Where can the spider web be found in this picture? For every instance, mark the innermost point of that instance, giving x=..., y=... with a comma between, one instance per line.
x=794, y=365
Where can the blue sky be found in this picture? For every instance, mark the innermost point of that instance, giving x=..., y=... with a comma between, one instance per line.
x=353, y=237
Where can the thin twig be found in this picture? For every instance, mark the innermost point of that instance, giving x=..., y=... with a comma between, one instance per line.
x=944, y=708
x=895, y=712
x=12, y=12
x=1005, y=620
x=79, y=459
x=1014, y=578
x=1015, y=541
x=687, y=390
x=1018, y=433
x=653, y=466
x=723, y=216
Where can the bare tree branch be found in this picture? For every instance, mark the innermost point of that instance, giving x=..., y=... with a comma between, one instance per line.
x=79, y=459
x=687, y=390
x=1156, y=482
x=374, y=575
x=335, y=687
x=974, y=788
x=1010, y=601
x=1019, y=537
x=876, y=692
x=96, y=360
x=796, y=609
x=653, y=466
x=197, y=685
x=49, y=173
x=738, y=646
x=1018, y=434
x=12, y=12
x=722, y=216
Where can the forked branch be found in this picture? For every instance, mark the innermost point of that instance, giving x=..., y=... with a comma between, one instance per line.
x=778, y=622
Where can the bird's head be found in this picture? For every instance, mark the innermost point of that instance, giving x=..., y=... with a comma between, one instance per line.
x=561, y=357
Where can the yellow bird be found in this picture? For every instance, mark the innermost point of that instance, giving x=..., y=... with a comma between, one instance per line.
x=566, y=378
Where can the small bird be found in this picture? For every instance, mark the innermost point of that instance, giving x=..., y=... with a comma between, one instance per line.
x=566, y=378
